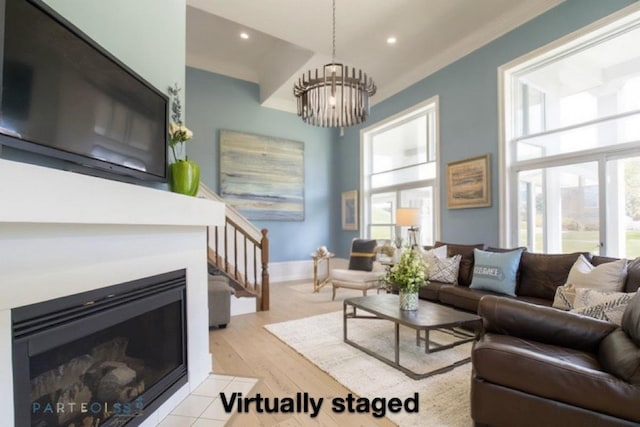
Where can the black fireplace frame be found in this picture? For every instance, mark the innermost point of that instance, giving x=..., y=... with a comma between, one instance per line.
x=65, y=318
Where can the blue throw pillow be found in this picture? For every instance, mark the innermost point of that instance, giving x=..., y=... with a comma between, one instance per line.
x=493, y=271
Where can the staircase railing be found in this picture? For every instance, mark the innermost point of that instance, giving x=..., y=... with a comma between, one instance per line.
x=240, y=251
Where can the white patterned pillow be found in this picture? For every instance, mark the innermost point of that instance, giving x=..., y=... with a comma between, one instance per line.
x=439, y=252
x=445, y=270
x=565, y=295
x=607, y=306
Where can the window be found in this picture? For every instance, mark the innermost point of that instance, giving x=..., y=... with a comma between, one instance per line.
x=400, y=170
x=572, y=143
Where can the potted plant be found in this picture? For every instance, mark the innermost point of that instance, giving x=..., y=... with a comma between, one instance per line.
x=184, y=174
x=409, y=276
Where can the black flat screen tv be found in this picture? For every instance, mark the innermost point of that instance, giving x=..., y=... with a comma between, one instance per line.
x=64, y=96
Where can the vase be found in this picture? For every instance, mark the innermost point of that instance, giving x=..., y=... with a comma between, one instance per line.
x=408, y=300
x=184, y=177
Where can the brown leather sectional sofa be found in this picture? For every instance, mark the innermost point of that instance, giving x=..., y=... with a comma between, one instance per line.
x=538, y=277
x=539, y=366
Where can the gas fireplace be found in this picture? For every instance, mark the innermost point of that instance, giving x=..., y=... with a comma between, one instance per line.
x=106, y=357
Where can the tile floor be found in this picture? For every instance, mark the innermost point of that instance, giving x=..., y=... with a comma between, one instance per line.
x=203, y=407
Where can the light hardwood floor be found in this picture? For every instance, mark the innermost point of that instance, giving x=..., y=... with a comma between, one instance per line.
x=245, y=348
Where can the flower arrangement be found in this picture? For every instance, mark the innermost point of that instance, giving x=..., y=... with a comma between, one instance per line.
x=409, y=273
x=178, y=132
x=184, y=174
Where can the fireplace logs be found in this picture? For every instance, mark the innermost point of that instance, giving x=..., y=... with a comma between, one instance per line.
x=83, y=391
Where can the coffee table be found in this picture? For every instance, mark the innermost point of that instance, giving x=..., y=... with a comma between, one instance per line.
x=428, y=317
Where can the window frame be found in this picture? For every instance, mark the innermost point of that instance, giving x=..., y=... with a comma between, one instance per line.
x=433, y=152
x=606, y=28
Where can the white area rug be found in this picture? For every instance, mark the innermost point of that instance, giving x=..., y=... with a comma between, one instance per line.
x=444, y=398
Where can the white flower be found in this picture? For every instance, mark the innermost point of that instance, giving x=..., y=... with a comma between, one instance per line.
x=179, y=133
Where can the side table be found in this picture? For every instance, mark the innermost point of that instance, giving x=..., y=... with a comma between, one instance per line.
x=318, y=283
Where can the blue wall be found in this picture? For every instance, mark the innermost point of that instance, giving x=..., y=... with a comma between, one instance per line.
x=468, y=91
x=215, y=102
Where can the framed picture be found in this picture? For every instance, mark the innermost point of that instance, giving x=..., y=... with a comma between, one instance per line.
x=350, y=210
x=469, y=183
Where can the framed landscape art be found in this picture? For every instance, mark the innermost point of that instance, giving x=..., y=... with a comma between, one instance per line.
x=469, y=183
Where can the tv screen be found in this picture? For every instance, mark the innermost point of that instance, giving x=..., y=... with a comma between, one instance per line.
x=64, y=96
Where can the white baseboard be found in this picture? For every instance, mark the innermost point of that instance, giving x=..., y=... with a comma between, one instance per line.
x=242, y=305
x=299, y=270
x=283, y=272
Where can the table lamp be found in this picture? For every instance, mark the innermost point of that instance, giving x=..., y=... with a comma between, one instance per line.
x=409, y=217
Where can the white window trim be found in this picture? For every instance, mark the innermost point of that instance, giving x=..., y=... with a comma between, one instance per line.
x=392, y=120
x=597, y=29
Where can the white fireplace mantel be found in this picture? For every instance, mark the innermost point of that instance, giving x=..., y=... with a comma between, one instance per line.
x=63, y=233
x=34, y=194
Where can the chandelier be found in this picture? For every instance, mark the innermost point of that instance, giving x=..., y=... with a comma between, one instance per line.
x=336, y=95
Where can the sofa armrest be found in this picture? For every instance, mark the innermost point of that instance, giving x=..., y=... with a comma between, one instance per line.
x=542, y=324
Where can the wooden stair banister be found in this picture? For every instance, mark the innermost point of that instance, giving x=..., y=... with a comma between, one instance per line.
x=265, y=270
x=240, y=265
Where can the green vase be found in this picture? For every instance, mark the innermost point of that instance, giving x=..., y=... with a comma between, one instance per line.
x=184, y=177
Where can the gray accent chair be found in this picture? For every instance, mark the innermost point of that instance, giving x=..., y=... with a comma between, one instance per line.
x=219, y=301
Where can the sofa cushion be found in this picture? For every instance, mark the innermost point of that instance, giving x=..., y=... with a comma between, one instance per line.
x=359, y=276
x=620, y=356
x=466, y=262
x=564, y=297
x=557, y=373
x=445, y=270
x=496, y=271
x=608, y=306
x=609, y=276
x=632, y=282
x=439, y=252
x=433, y=266
x=362, y=254
x=462, y=297
x=541, y=274
x=431, y=291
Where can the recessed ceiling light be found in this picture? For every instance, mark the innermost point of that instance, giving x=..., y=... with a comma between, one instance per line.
x=244, y=35
x=391, y=40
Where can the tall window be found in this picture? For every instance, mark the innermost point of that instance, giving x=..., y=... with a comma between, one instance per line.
x=400, y=171
x=572, y=144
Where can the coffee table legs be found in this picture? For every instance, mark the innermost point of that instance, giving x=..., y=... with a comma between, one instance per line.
x=396, y=344
x=396, y=362
x=431, y=346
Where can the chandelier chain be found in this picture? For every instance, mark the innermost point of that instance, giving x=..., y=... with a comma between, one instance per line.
x=333, y=54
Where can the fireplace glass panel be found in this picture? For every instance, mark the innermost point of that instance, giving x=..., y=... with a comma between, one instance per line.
x=107, y=375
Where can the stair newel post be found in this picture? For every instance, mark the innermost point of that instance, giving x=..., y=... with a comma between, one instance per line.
x=264, y=244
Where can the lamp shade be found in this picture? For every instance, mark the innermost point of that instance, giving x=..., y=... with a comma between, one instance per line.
x=407, y=217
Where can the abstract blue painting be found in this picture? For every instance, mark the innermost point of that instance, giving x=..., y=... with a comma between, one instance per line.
x=261, y=176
